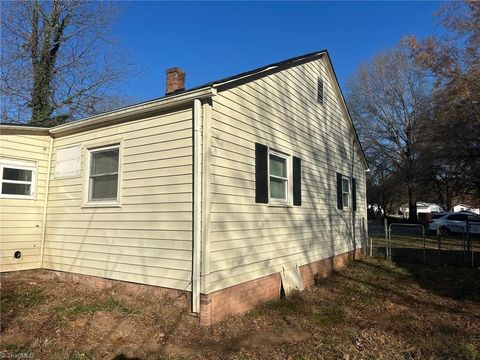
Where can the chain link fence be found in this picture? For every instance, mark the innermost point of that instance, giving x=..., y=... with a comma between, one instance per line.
x=416, y=243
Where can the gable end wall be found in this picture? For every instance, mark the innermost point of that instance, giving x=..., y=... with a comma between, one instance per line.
x=250, y=240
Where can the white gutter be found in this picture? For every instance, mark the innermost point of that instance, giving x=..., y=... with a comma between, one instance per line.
x=26, y=129
x=45, y=202
x=117, y=116
x=197, y=205
x=125, y=114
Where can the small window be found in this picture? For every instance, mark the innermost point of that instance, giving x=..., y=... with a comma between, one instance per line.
x=278, y=172
x=320, y=91
x=346, y=191
x=103, y=174
x=17, y=179
x=458, y=217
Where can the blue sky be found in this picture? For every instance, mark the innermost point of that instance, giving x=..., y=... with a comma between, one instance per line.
x=211, y=40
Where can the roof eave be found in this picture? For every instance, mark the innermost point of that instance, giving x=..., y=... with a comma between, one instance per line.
x=24, y=129
x=347, y=111
x=125, y=114
x=266, y=70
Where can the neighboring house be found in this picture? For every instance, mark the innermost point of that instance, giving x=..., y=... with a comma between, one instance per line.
x=215, y=190
x=422, y=208
x=463, y=207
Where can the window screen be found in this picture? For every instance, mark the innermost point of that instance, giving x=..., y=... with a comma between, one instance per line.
x=104, y=174
x=278, y=177
x=346, y=192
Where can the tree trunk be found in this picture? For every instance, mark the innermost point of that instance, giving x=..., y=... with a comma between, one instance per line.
x=412, y=205
x=43, y=62
x=41, y=109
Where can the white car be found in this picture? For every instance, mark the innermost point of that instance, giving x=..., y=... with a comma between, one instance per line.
x=455, y=222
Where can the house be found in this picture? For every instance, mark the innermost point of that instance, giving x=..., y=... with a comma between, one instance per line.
x=422, y=208
x=220, y=191
x=463, y=207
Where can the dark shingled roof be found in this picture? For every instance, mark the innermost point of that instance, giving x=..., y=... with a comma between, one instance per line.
x=280, y=64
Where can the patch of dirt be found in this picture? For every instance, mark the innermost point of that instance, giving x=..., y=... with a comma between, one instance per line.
x=372, y=309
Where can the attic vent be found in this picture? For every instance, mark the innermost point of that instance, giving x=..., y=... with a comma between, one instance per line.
x=320, y=91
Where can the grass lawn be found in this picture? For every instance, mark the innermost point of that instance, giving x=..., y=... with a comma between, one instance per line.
x=372, y=309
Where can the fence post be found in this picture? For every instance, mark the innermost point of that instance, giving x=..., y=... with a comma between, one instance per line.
x=385, y=224
x=467, y=232
x=371, y=247
x=364, y=237
x=424, y=249
x=439, y=239
x=469, y=242
x=390, y=242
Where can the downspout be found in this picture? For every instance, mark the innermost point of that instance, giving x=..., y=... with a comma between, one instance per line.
x=206, y=196
x=354, y=223
x=197, y=206
x=45, y=201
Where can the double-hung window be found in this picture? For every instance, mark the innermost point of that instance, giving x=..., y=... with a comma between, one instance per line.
x=346, y=191
x=278, y=177
x=17, y=179
x=103, y=177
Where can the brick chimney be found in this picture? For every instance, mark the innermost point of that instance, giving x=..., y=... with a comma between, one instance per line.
x=175, y=80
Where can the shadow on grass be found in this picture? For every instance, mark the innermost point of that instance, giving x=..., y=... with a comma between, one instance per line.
x=449, y=282
x=459, y=283
x=433, y=257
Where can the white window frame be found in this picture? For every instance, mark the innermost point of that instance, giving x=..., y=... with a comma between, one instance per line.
x=107, y=202
x=349, y=194
x=20, y=165
x=288, y=179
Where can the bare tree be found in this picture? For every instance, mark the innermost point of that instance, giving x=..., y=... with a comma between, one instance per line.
x=388, y=98
x=383, y=189
x=58, y=61
x=453, y=137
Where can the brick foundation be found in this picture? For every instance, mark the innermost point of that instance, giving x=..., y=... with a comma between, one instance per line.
x=182, y=298
x=216, y=306
x=240, y=298
x=321, y=269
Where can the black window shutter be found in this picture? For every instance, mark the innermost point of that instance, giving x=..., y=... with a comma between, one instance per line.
x=261, y=173
x=339, y=191
x=297, y=181
x=354, y=194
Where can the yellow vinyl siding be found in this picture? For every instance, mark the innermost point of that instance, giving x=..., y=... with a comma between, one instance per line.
x=148, y=239
x=249, y=240
x=21, y=220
